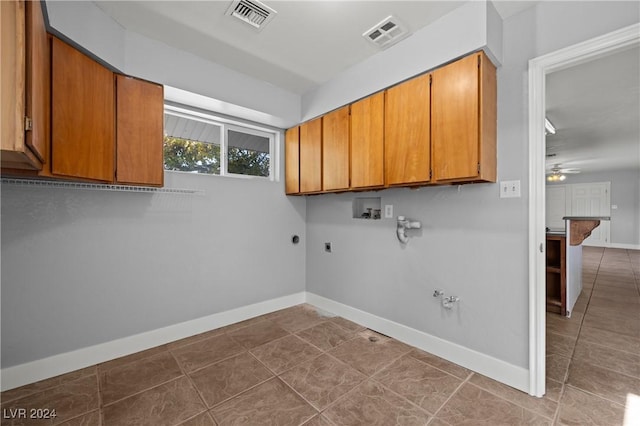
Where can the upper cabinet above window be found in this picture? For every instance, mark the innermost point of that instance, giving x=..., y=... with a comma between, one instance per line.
x=105, y=127
x=67, y=116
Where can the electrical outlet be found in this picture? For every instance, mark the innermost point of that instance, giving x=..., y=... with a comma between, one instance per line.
x=388, y=211
x=510, y=189
x=327, y=247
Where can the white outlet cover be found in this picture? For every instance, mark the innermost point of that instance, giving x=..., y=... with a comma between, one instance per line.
x=388, y=211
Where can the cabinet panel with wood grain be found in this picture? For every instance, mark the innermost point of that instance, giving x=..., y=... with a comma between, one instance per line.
x=140, y=129
x=292, y=160
x=367, y=142
x=83, y=116
x=464, y=121
x=311, y=156
x=335, y=150
x=24, y=73
x=407, y=132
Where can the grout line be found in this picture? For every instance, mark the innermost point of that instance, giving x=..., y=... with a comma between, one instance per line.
x=142, y=391
x=184, y=373
x=567, y=385
x=401, y=396
x=452, y=395
x=100, y=402
x=517, y=404
x=556, y=415
x=38, y=391
x=440, y=369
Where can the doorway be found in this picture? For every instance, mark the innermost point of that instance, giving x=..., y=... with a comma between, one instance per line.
x=538, y=69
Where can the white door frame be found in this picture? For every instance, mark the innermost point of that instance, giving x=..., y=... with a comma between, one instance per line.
x=538, y=69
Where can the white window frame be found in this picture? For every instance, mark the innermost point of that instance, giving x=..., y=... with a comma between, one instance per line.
x=225, y=125
x=251, y=131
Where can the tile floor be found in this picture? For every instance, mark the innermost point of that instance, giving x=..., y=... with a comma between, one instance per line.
x=300, y=367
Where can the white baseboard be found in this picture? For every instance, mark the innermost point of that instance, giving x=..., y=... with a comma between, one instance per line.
x=512, y=375
x=615, y=245
x=34, y=371
x=41, y=369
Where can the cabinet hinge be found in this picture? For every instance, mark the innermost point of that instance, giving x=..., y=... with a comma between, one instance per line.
x=430, y=174
x=478, y=168
x=430, y=79
x=28, y=124
x=479, y=60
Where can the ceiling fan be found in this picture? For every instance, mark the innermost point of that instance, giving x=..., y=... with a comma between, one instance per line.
x=557, y=173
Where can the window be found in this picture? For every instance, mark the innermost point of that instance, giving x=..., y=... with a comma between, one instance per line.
x=201, y=143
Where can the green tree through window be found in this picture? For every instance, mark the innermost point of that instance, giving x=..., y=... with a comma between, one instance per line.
x=248, y=162
x=201, y=157
x=191, y=156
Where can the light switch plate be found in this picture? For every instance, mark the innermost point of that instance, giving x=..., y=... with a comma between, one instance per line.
x=510, y=189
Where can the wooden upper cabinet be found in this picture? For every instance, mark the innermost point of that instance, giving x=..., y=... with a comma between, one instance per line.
x=83, y=116
x=407, y=132
x=292, y=160
x=335, y=150
x=367, y=142
x=140, y=130
x=464, y=120
x=24, y=86
x=38, y=90
x=311, y=156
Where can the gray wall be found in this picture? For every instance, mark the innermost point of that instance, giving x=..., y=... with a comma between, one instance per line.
x=473, y=245
x=625, y=193
x=85, y=267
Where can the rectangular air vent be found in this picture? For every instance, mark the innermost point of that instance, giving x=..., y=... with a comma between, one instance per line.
x=252, y=12
x=387, y=32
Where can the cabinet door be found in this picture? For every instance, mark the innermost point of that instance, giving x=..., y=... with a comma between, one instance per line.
x=311, y=156
x=335, y=150
x=463, y=120
x=292, y=160
x=37, y=81
x=139, y=137
x=406, y=140
x=367, y=142
x=83, y=116
x=455, y=120
x=12, y=69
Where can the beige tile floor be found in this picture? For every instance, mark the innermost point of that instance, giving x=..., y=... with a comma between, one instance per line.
x=300, y=367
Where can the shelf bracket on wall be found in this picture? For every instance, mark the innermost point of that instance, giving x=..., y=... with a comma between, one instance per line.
x=34, y=183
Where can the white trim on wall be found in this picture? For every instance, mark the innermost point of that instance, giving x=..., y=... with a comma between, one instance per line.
x=30, y=372
x=41, y=369
x=615, y=245
x=494, y=368
x=538, y=69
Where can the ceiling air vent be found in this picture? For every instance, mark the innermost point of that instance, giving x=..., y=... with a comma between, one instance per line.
x=387, y=32
x=252, y=12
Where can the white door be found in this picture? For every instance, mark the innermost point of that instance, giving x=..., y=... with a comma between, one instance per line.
x=593, y=199
x=556, y=206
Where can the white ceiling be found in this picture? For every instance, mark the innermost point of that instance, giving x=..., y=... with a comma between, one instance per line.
x=306, y=44
x=595, y=108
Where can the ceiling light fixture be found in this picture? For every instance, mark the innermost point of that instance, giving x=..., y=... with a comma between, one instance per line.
x=556, y=176
x=549, y=128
